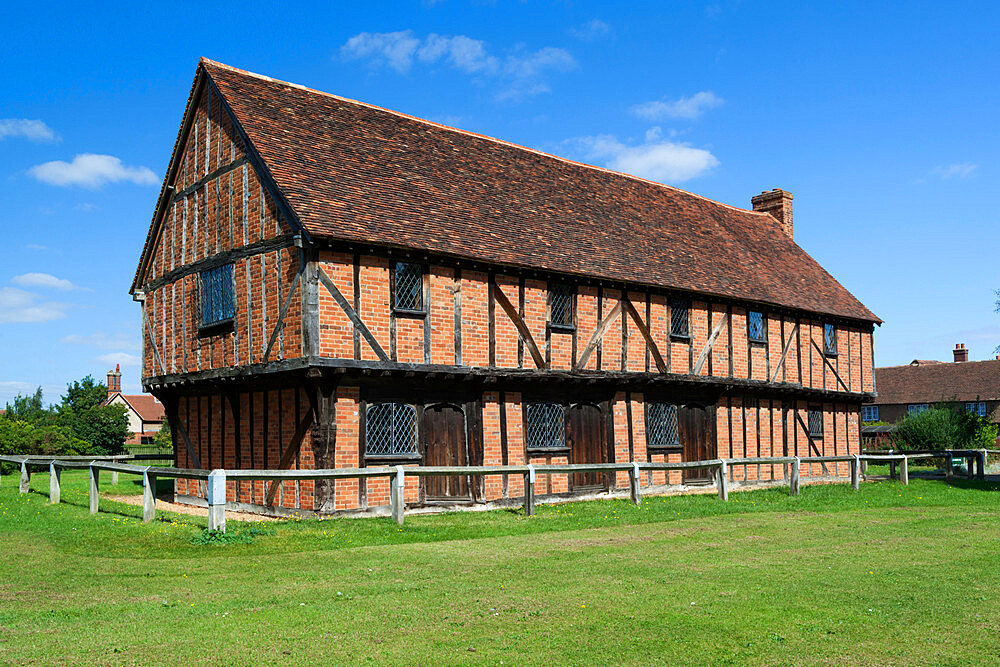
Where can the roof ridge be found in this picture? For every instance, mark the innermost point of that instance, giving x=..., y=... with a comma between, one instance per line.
x=470, y=133
x=949, y=364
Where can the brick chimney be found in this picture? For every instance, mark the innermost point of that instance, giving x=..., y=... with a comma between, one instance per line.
x=778, y=203
x=961, y=353
x=114, y=381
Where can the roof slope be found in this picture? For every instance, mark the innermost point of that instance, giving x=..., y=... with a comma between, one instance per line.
x=146, y=406
x=965, y=381
x=359, y=173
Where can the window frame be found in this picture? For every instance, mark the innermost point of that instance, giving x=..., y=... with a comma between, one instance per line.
x=917, y=408
x=979, y=408
x=763, y=327
x=536, y=448
x=676, y=426
x=827, y=350
x=394, y=291
x=570, y=291
x=816, y=410
x=869, y=407
x=223, y=324
x=414, y=455
x=686, y=304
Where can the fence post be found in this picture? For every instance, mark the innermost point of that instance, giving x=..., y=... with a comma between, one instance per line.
x=94, y=478
x=892, y=469
x=148, y=496
x=793, y=480
x=904, y=470
x=53, y=483
x=114, y=477
x=25, y=477
x=864, y=468
x=949, y=467
x=398, y=485
x=721, y=480
x=529, y=491
x=856, y=472
x=216, y=496
x=633, y=475
x=982, y=464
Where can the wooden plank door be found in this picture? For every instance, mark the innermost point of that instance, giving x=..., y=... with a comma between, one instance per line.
x=443, y=429
x=585, y=438
x=698, y=440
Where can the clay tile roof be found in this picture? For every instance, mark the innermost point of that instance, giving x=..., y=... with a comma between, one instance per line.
x=359, y=173
x=965, y=381
x=149, y=409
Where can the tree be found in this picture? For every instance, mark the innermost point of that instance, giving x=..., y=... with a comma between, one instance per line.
x=103, y=426
x=27, y=408
x=163, y=438
x=83, y=394
x=944, y=426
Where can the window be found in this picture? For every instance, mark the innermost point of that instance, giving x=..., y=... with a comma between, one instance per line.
x=390, y=429
x=546, y=427
x=679, y=311
x=829, y=339
x=409, y=287
x=816, y=422
x=976, y=408
x=869, y=413
x=755, y=327
x=661, y=425
x=217, y=296
x=561, y=306
x=917, y=408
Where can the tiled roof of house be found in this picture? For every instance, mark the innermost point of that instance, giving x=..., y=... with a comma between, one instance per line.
x=965, y=381
x=359, y=173
x=148, y=408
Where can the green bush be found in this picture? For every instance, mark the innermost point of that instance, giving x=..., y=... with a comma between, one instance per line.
x=944, y=427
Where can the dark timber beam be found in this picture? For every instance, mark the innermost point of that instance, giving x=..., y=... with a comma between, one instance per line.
x=784, y=352
x=519, y=324
x=708, y=347
x=351, y=313
x=595, y=338
x=644, y=331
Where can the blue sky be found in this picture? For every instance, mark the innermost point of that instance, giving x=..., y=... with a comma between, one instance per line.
x=882, y=121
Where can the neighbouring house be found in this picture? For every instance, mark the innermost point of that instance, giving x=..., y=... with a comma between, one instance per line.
x=330, y=284
x=144, y=412
x=969, y=385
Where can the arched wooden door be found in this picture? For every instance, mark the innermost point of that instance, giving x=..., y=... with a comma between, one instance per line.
x=443, y=430
x=585, y=438
x=694, y=430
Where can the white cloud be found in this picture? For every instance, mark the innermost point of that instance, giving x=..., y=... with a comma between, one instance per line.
x=663, y=161
x=35, y=246
x=520, y=73
x=17, y=305
x=959, y=170
x=103, y=341
x=122, y=358
x=92, y=171
x=43, y=280
x=687, y=108
x=33, y=130
x=592, y=30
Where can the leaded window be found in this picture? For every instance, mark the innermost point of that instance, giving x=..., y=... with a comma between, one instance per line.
x=816, y=422
x=409, y=286
x=679, y=316
x=560, y=306
x=661, y=425
x=917, y=408
x=976, y=408
x=390, y=429
x=546, y=425
x=829, y=339
x=755, y=327
x=217, y=305
x=869, y=413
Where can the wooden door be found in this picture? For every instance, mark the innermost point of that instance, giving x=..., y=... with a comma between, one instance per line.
x=585, y=438
x=698, y=439
x=445, y=445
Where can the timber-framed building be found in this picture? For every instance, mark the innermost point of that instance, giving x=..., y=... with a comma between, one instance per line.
x=329, y=284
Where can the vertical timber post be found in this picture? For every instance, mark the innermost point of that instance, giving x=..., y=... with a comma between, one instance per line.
x=25, y=477
x=981, y=474
x=904, y=470
x=949, y=467
x=94, y=487
x=398, y=485
x=793, y=480
x=722, y=481
x=216, y=496
x=53, y=483
x=148, y=496
x=633, y=479
x=856, y=472
x=529, y=491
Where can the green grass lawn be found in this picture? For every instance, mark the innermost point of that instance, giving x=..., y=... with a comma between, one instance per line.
x=887, y=575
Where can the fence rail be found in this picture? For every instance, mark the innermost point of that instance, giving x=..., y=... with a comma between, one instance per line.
x=215, y=481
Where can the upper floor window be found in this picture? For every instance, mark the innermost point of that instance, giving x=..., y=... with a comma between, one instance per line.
x=217, y=305
x=680, y=312
x=829, y=339
x=917, y=408
x=756, y=329
x=561, y=306
x=409, y=287
x=976, y=408
x=869, y=413
x=661, y=425
x=545, y=426
x=816, y=422
x=390, y=429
